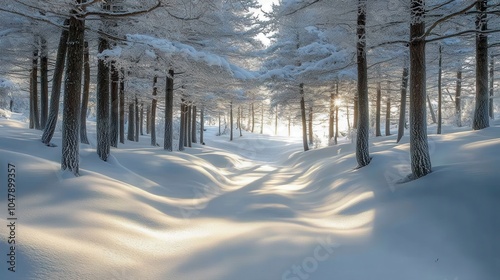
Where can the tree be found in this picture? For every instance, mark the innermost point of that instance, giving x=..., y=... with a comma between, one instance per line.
x=102, y=96
x=481, y=118
x=169, y=107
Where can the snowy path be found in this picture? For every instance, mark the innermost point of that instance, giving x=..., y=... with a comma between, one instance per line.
x=256, y=208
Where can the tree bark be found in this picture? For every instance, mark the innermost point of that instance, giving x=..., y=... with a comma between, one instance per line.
x=492, y=83
x=102, y=100
x=458, y=98
x=331, y=115
x=193, y=125
x=240, y=114
x=189, y=125
x=231, y=120
x=137, y=119
x=303, y=116
x=336, y=125
x=122, y=107
x=148, y=119
x=56, y=86
x=85, y=96
x=130, y=130
x=311, y=133
x=44, y=83
x=34, y=112
x=440, y=90
x=141, y=121
x=114, y=119
x=362, y=149
x=378, y=131
x=388, y=117
x=419, y=149
x=402, y=106
x=202, y=125
x=182, y=126
x=153, y=115
x=481, y=119
x=169, y=112
x=72, y=91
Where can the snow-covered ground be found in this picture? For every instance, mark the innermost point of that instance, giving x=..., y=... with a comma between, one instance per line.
x=256, y=208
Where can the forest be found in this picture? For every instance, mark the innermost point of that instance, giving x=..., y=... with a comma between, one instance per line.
x=249, y=139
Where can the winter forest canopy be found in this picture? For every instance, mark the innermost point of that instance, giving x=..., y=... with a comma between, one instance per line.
x=104, y=74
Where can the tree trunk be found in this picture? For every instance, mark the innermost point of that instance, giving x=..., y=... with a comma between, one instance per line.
x=492, y=83
x=262, y=119
x=481, y=118
x=56, y=86
x=137, y=120
x=362, y=149
x=72, y=91
x=402, y=106
x=148, y=119
x=102, y=100
x=458, y=98
x=85, y=96
x=433, y=115
x=219, y=126
x=231, y=120
x=122, y=108
x=114, y=119
x=378, y=131
x=331, y=114
x=311, y=133
x=44, y=83
x=303, y=116
x=336, y=125
x=169, y=113
x=388, y=117
x=130, y=130
x=440, y=91
x=189, y=125
x=202, y=125
x=141, y=116
x=249, y=122
x=419, y=149
x=182, y=126
x=34, y=112
x=153, y=115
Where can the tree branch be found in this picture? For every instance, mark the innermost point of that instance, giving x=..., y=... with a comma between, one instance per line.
x=437, y=22
x=119, y=15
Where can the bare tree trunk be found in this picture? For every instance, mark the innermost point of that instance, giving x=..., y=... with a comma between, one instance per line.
x=231, y=120
x=202, y=125
x=122, y=108
x=378, y=131
x=355, y=112
x=102, y=97
x=137, y=119
x=153, y=114
x=303, y=116
x=249, y=120
x=433, y=115
x=402, y=106
x=492, y=83
x=481, y=119
x=148, y=119
x=56, y=86
x=419, y=149
x=388, y=117
x=331, y=114
x=34, y=112
x=130, y=130
x=440, y=90
x=362, y=148
x=72, y=91
x=458, y=98
x=182, y=126
x=44, y=83
x=85, y=96
x=240, y=112
x=311, y=133
x=336, y=125
x=141, y=115
x=189, y=125
x=114, y=118
x=169, y=113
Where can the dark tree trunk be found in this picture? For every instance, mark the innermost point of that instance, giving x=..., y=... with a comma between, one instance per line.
x=169, y=113
x=130, y=130
x=34, y=112
x=240, y=112
x=481, y=118
x=492, y=83
x=458, y=98
x=148, y=119
x=115, y=102
x=102, y=99
x=253, y=117
x=440, y=91
x=331, y=115
x=362, y=149
x=72, y=91
x=402, y=106
x=419, y=149
x=122, y=108
x=141, y=121
x=189, y=125
x=186, y=124
x=202, y=125
x=182, y=126
x=355, y=112
x=231, y=120
x=44, y=83
x=311, y=133
x=348, y=117
x=378, y=131
x=56, y=86
x=388, y=117
x=137, y=119
x=303, y=116
x=193, y=125
x=153, y=115
x=85, y=96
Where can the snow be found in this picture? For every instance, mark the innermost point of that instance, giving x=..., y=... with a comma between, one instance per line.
x=254, y=208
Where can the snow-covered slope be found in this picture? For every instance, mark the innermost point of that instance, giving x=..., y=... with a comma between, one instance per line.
x=254, y=208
